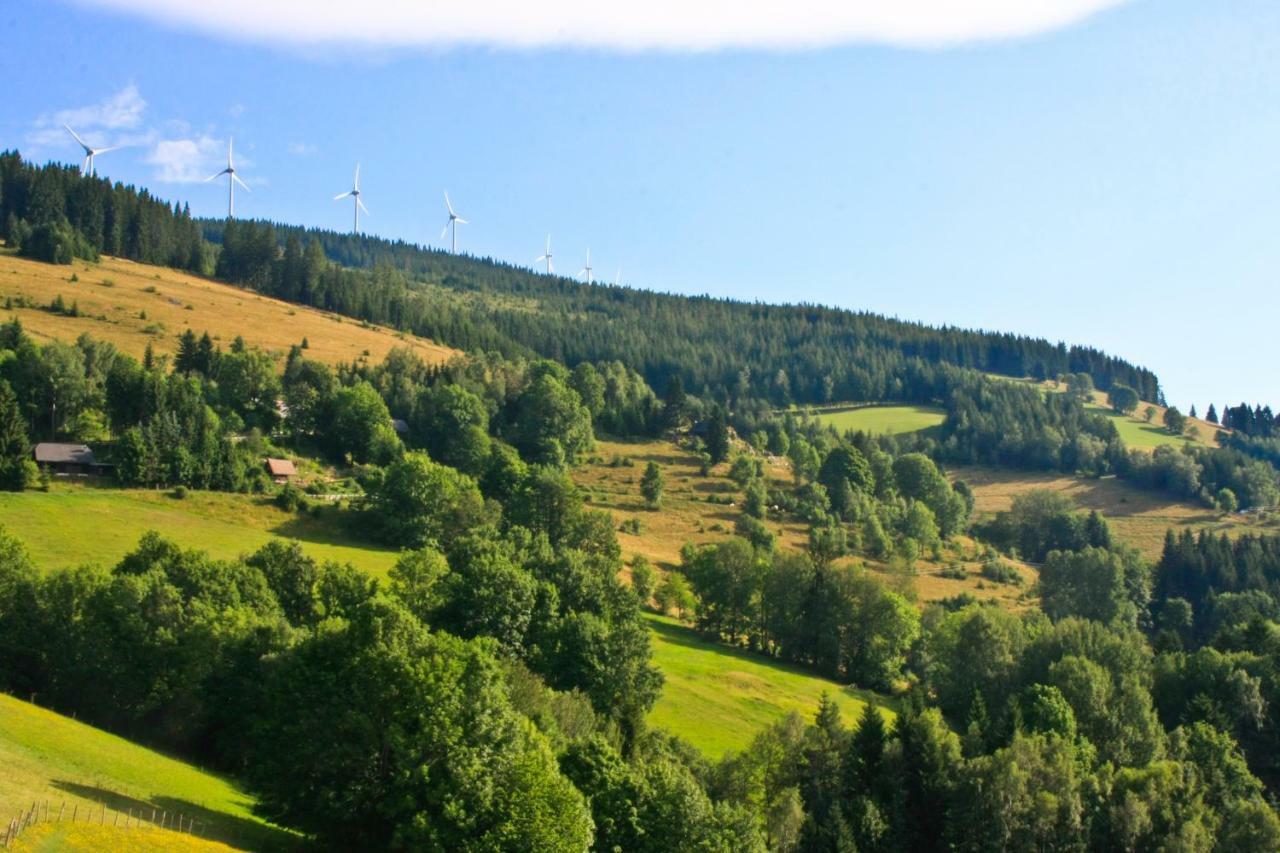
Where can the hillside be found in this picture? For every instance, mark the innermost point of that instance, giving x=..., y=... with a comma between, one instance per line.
x=131, y=305
x=55, y=525
x=50, y=758
x=717, y=698
x=1136, y=516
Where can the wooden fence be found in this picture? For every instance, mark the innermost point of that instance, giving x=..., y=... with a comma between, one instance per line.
x=129, y=819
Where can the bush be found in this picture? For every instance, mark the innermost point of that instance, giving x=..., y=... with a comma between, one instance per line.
x=1001, y=572
x=291, y=499
x=178, y=493
x=56, y=243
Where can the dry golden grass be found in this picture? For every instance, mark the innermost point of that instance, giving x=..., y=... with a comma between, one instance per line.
x=1136, y=516
x=113, y=295
x=685, y=515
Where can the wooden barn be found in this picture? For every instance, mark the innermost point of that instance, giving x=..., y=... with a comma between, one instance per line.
x=59, y=458
x=281, y=470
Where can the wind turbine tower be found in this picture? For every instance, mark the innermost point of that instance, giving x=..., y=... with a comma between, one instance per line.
x=90, y=152
x=546, y=256
x=587, y=269
x=232, y=180
x=358, y=205
x=454, y=221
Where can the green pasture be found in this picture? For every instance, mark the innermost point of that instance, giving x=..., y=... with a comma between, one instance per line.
x=718, y=698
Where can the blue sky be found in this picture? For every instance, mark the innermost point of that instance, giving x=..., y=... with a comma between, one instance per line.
x=1106, y=175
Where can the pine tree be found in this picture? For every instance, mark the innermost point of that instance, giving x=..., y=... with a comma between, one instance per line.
x=187, y=360
x=1192, y=413
x=15, y=450
x=675, y=403
x=717, y=436
x=1212, y=415
x=651, y=485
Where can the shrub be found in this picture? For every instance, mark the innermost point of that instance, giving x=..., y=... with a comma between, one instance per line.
x=1001, y=572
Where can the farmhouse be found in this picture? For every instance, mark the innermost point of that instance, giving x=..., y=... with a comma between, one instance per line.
x=281, y=470
x=62, y=458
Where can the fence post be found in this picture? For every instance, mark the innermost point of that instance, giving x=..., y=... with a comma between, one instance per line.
x=153, y=817
x=162, y=817
x=62, y=808
x=75, y=811
x=115, y=821
x=102, y=821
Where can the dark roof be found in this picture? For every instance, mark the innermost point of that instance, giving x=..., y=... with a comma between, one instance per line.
x=53, y=452
x=281, y=467
x=400, y=425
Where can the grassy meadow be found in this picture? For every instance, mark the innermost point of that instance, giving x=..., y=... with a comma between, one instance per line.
x=718, y=697
x=45, y=757
x=92, y=837
x=132, y=305
x=1136, y=516
x=77, y=522
x=694, y=508
x=882, y=420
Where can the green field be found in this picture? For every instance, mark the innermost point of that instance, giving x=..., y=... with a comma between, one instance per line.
x=45, y=757
x=882, y=420
x=717, y=697
x=1135, y=432
x=76, y=523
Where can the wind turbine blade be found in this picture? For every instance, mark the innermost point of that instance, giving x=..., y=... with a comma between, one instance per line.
x=449, y=205
x=230, y=144
x=342, y=196
x=539, y=259
x=461, y=221
x=445, y=229
x=215, y=177
x=357, y=181
x=98, y=151
x=77, y=137
x=362, y=207
x=236, y=178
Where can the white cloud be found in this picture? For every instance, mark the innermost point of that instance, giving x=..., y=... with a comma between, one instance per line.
x=186, y=161
x=620, y=25
x=122, y=111
x=301, y=149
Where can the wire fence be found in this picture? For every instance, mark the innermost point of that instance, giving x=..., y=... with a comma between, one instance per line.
x=137, y=818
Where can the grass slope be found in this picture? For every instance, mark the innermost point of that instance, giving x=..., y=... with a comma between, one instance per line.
x=90, y=837
x=882, y=420
x=718, y=698
x=686, y=514
x=48, y=757
x=1134, y=429
x=76, y=523
x=113, y=295
x=1136, y=516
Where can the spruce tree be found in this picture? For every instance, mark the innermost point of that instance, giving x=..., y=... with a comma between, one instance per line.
x=717, y=437
x=15, y=450
x=1212, y=415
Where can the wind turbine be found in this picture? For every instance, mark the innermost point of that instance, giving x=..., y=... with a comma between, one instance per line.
x=546, y=256
x=232, y=180
x=454, y=220
x=617, y=277
x=89, y=152
x=354, y=192
x=587, y=268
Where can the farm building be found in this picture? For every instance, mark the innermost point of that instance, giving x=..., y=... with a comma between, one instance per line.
x=62, y=458
x=281, y=470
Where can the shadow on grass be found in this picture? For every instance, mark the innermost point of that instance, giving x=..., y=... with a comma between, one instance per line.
x=213, y=825
x=686, y=637
x=331, y=528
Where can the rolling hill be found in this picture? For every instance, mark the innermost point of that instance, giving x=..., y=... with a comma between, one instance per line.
x=132, y=304
x=50, y=758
